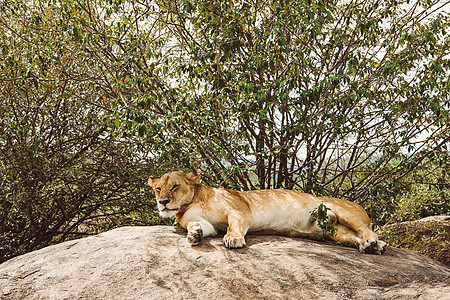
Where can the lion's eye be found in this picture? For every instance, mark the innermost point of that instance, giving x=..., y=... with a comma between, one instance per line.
x=175, y=186
x=158, y=189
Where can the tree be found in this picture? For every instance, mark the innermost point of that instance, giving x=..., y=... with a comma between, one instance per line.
x=340, y=98
x=60, y=164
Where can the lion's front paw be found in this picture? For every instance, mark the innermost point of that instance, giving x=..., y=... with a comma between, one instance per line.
x=373, y=247
x=195, y=234
x=231, y=241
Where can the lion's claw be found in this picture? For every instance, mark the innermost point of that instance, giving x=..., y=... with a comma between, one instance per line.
x=233, y=242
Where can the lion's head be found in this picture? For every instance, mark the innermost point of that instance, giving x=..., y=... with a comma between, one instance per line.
x=173, y=191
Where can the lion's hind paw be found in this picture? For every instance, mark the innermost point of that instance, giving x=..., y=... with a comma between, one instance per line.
x=373, y=247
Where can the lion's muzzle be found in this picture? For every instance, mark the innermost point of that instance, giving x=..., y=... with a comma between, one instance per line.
x=163, y=201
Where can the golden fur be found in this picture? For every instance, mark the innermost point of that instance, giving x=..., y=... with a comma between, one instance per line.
x=204, y=211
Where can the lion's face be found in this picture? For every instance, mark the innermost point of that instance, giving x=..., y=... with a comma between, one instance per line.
x=173, y=191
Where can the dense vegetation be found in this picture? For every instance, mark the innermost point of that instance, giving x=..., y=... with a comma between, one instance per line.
x=343, y=98
x=429, y=236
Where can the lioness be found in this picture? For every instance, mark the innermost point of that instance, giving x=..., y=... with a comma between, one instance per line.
x=205, y=210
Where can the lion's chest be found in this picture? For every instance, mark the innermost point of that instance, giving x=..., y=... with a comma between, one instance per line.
x=212, y=215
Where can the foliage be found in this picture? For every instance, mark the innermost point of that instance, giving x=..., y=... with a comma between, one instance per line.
x=423, y=192
x=423, y=201
x=428, y=196
x=320, y=216
x=335, y=98
x=60, y=167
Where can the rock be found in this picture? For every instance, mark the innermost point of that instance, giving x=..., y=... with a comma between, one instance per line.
x=158, y=263
x=441, y=219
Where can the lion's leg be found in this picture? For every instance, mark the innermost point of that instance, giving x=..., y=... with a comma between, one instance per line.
x=354, y=217
x=348, y=235
x=369, y=242
x=199, y=229
x=237, y=228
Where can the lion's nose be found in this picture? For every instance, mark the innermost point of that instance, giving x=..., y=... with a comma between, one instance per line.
x=164, y=201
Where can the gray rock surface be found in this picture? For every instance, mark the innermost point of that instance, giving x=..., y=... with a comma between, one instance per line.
x=158, y=263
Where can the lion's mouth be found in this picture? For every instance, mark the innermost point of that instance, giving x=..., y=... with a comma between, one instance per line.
x=167, y=212
x=168, y=209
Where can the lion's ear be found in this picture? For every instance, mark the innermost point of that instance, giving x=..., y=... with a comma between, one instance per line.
x=152, y=181
x=194, y=176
